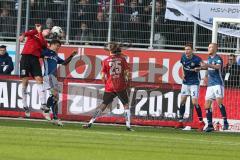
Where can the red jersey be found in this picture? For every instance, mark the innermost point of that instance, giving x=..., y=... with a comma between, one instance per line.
x=34, y=44
x=114, y=67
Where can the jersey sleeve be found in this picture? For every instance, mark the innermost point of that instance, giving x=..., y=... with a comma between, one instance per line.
x=181, y=60
x=30, y=32
x=104, y=67
x=199, y=60
x=59, y=60
x=219, y=61
x=44, y=53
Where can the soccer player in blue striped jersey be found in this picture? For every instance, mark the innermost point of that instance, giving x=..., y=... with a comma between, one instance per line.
x=215, y=86
x=190, y=85
x=51, y=60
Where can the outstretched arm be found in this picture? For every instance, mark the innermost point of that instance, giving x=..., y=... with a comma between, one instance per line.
x=69, y=58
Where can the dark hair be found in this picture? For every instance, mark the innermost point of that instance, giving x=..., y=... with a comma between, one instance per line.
x=55, y=41
x=115, y=48
x=3, y=46
x=188, y=45
x=232, y=55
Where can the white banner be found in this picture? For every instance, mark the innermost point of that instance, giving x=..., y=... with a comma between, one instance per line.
x=203, y=13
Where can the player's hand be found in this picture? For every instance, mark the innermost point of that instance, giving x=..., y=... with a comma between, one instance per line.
x=204, y=65
x=38, y=27
x=197, y=69
x=74, y=53
x=21, y=38
x=45, y=32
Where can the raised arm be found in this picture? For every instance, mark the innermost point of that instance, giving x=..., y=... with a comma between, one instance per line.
x=69, y=58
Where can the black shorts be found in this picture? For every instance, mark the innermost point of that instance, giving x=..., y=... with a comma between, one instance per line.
x=30, y=66
x=109, y=96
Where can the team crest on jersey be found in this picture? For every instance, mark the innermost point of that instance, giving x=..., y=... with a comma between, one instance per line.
x=192, y=64
x=213, y=62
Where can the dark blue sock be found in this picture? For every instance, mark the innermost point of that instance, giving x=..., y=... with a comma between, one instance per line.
x=182, y=111
x=55, y=112
x=209, y=116
x=52, y=104
x=199, y=112
x=223, y=112
x=50, y=101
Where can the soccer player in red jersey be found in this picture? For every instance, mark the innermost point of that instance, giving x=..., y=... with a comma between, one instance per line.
x=29, y=63
x=115, y=75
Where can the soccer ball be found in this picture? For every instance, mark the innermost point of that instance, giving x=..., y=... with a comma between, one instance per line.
x=57, y=31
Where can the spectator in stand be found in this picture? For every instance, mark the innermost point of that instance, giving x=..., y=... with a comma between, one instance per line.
x=160, y=27
x=132, y=22
x=82, y=11
x=38, y=12
x=59, y=12
x=7, y=23
x=6, y=63
x=118, y=20
x=100, y=30
x=103, y=6
x=119, y=6
x=49, y=23
x=84, y=36
x=231, y=72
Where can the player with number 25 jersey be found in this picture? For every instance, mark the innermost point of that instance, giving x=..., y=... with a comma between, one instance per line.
x=115, y=74
x=113, y=68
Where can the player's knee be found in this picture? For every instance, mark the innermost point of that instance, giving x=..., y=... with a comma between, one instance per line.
x=183, y=99
x=219, y=101
x=194, y=102
x=207, y=104
x=126, y=106
x=25, y=81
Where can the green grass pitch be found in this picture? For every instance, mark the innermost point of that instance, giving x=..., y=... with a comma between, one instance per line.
x=27, y=140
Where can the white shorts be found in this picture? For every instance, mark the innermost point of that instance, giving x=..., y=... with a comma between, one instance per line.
x=50, y=82
x=214, y=92
x=190, y=90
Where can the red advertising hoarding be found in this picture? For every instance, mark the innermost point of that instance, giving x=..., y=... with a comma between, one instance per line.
x=154, y=96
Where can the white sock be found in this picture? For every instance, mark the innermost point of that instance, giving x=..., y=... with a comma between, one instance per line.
x=127, y=116
x=92, y=120
x=96, y=114
x=42, y=93
x=24, y=96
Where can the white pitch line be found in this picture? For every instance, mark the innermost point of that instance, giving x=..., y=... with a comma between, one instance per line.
x=80, y=133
